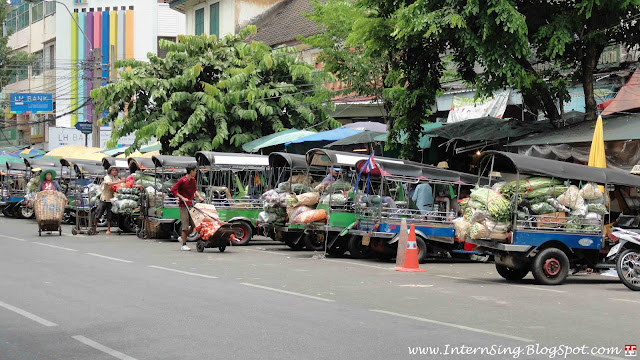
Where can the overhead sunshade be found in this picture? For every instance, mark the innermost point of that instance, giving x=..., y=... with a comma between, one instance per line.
x=329, y=135
x=563, y=170
x=488, y=128
x=230, y=159
x=275, y=139
x=365, y=137
x=625, y=127
x=367, y=125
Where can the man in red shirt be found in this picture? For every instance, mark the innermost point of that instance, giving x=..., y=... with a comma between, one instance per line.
x=184, y=190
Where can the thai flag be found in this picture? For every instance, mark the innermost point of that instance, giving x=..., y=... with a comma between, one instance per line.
x=369, y=165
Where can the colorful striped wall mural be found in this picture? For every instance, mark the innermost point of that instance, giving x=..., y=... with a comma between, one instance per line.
x=112, y=32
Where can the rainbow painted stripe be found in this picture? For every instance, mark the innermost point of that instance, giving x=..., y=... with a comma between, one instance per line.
x=112, y=32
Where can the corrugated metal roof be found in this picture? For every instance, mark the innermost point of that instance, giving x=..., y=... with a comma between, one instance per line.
x=625, y=127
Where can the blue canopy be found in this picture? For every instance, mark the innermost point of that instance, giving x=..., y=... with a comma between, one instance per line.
x=329, y=135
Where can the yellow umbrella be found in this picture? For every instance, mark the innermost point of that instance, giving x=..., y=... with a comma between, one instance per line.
x=597, y=156
x=74, y=152
x=138, y=154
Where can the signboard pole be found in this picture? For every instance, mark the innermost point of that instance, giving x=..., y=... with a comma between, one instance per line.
x=97, y=82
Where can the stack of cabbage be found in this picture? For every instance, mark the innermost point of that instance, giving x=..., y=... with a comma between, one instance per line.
x=274, y=207
x=125, y=200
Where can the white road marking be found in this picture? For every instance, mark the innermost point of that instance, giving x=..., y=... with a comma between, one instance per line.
x=539, y=288
x=633, y=301
x=462, y=327
x=104, y=349
x=416, y=285
x=359, y=264
x=267, y=251
x=287, y=292
x=27, y=314
x=55, y=246
x=183, y=272
x=12, y=238
x=110, y=258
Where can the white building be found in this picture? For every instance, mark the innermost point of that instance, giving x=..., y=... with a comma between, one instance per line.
x=121, y=29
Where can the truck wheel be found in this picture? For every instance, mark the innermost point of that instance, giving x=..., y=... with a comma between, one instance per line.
x=290, y=238
x=628, y=266
x=6, y=212
x=243, y=232
x=356, y=249
x=511, y=274
x=422, y=249
x=314, y=241
x=550, y=267
x=26, y=212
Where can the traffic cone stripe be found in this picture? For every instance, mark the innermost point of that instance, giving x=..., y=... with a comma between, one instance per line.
x=411, y=261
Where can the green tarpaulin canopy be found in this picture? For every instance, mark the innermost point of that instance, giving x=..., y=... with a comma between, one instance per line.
x=488, y=128
x=425, y=140
x=278, y=138
x=7, y=158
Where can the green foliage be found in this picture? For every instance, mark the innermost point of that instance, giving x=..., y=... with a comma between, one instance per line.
x=214, y=94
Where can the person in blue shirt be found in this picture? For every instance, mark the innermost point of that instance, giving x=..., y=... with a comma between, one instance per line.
x=423, y=197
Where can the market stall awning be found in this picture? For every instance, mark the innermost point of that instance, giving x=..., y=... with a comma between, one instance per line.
x=7, y=158
x=151, y=147
x=75, y=151
x=367, y=125
x=30, y=153
x=627, y=98
x=488, y=128
x=116, y=151
x=365, y=137
x=625, y=127
x=425, y=140
x=329, y=135
x=278, y=138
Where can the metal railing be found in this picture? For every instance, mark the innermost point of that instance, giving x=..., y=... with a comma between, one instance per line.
x=550, y=222
x=412, y=215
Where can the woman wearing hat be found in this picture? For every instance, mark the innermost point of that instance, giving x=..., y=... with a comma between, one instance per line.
x=47, y=181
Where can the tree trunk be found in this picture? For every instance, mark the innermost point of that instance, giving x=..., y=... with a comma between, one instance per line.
x=589, y=63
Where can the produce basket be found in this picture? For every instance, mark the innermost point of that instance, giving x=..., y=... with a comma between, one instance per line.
x=49, y=207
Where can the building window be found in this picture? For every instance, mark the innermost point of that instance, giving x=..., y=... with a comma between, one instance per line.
x=49, y=8
x=37, y=67
x=37, y=12
x=214, y=19
x=200, y=21
x=162, y=53
x=50, y=57
x=23, y=16
x=23, y=73
x=10, y=22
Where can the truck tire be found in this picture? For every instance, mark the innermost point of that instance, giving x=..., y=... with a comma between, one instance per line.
x=356, y=249
x=243, y=233
x=290, y=238
x=511, y=274
x=550, y=267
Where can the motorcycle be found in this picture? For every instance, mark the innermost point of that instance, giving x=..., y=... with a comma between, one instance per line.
x=626, y=255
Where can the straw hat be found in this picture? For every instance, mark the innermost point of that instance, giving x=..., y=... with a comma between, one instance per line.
x=52, y=172
x=443, y=165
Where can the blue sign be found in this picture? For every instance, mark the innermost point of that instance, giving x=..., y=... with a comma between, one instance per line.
x=85, y=127
x=31, y=103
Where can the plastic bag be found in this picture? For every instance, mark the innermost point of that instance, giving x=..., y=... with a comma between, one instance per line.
x=336, y=199
x=554, y=191
x=497, y=187
x=590, y=192
x=542, y=208
x=497, y=227
x=310, y=216
x=300, y=188
x=307, y=199
x=571, y=198
x=337, y=186
x=129, y=181
x=479, y=216
x=291, y=200
x=267, y=217
x=597, y=208
x=284, y=187
x=579, y=212
x=115, y=187
x=559, y=207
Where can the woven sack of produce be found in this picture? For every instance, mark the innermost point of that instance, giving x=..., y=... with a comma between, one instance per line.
x=292, y=212
x=461, y=227
x=310, y=216
x=308, y=199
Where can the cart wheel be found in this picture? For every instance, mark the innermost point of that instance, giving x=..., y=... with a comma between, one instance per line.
x=74, y=231
x=39, y=232
x=200, y=246
x=222, y=248
x=60, y=230
x=91, y=231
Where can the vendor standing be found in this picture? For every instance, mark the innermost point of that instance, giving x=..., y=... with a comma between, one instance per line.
x=104, y=208
x=185, y=189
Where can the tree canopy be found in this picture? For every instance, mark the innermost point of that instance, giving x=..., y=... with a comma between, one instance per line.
x=214, y=94
x=414, y=46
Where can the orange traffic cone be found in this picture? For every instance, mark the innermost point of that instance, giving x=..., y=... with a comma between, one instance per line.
x=411, y=258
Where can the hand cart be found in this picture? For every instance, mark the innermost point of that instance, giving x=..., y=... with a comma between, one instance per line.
x=49, y=208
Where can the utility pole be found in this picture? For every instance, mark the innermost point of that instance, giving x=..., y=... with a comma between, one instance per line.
x=97, y=82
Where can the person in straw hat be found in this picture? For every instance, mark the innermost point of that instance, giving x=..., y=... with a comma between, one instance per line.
x=47, y=181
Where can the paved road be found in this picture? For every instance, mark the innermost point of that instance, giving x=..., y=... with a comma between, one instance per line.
x=106, y=297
